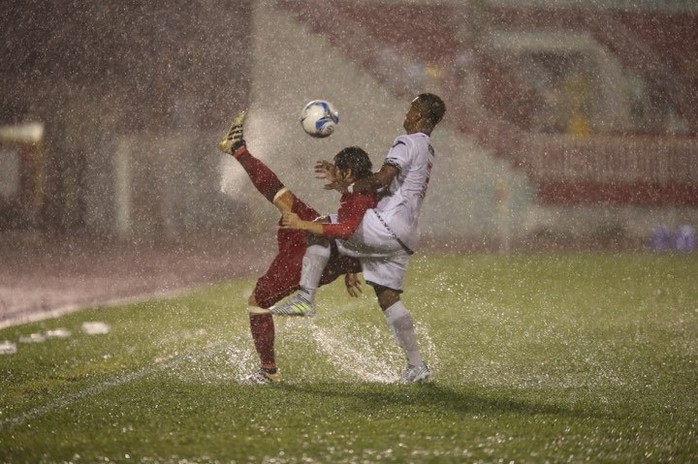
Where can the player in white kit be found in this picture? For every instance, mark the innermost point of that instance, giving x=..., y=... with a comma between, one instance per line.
x=388, y=234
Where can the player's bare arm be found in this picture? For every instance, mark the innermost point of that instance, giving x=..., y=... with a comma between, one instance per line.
x=377, y=181
x=293, y=221
x=374, y=182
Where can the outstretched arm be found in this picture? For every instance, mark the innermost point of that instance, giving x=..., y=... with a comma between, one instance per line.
x=293, y=221
x=374, y=182
x=349, y=216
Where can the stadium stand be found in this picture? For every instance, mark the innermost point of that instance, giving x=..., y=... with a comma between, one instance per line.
x=597, y=106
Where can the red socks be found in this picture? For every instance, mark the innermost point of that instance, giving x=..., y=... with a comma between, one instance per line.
x=268, y=184
x=261, y=176
x=262, y=328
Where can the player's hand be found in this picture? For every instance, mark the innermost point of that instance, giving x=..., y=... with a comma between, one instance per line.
x=339, y=185
x=290, y=221
x=328, y=171
x=325, y=170
x=353, y=284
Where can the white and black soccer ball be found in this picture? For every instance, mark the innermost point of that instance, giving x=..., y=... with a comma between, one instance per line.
x=319, y=118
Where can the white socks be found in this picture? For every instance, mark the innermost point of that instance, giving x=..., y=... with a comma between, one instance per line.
x=397, y=316
x=314, y=261
x=400, y=321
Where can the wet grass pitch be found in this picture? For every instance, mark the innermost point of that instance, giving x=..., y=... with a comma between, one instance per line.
x=535, y=358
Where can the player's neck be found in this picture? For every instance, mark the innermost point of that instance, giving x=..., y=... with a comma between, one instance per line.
x=423, y=128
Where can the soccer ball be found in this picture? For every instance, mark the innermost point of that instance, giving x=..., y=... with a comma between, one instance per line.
x=319, y=118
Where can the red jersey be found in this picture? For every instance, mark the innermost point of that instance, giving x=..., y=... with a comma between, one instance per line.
x=352, y=207
x=284, y=274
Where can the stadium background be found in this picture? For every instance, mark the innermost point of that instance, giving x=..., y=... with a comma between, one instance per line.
x=570, y=125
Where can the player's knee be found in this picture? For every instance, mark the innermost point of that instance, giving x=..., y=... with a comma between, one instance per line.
x=386, y=296
x=284, y=200
x=254, y=308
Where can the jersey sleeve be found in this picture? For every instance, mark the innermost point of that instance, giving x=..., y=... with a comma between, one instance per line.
x=399, y=154
x=350, y=213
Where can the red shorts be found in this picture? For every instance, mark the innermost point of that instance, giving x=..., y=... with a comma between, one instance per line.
x=284, y=274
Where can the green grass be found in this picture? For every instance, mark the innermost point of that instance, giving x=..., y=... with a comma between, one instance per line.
x=536, y=358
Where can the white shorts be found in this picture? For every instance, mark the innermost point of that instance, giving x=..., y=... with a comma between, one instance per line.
x=383, y=259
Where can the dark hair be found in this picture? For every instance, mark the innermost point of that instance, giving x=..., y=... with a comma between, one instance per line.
x=434, y=105
x=356, y=159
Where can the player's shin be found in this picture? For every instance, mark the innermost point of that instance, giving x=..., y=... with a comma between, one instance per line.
x=316, y=257
x=400, y=321
x=263, y=334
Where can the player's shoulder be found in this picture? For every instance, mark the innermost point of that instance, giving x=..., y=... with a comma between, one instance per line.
x=411, y=139
x=399, y=140
x=403, y=142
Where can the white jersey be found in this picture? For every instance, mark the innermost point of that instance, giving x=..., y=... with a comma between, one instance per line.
x=401, y=205
x=389, y=233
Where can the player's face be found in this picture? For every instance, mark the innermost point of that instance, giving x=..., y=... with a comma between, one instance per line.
x=345, y=174
x=414, y=114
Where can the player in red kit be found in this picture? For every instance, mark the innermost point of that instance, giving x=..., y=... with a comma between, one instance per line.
x=283, y=275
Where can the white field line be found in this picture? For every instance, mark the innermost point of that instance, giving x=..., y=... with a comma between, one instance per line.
x=157, y=365
x=371, y=356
